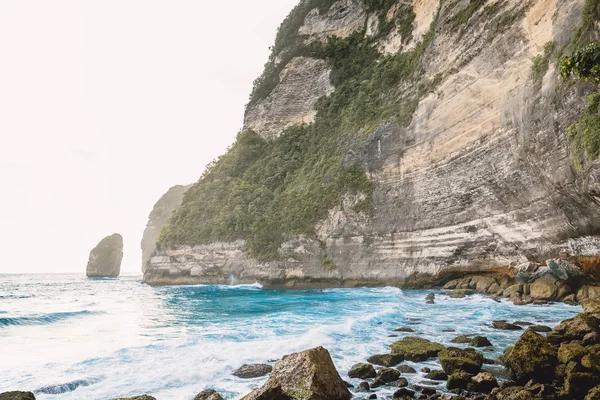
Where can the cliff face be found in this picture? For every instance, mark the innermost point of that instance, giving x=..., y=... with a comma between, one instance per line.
x=105, y=259
x=159, y=215
x=469, y=158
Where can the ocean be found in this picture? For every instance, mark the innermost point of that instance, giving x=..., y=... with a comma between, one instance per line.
x=70, y=337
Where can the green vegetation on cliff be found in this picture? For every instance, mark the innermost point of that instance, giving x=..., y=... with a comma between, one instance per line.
x=581, y=58
x=266, y=191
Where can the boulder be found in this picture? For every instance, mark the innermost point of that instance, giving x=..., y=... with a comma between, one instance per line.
x=591, y=306
x=560, y=269
x=591, y=360
x=400, y=382
x=459, y=380
x=17, y=396
x=460, y=293
x=105, y=259
x=483, y=382
x=578, y=384
x=403, y=393
x=480, y=341
x=572, y=351
x=406, y=369
x=454, y=359
x=591, y=338
x=208, y=395
x=387, y=375
x=386, y=360
x=363, y=387
x=513, y=291
x=578, y=327
x=309, y=375
x=593, y=394
x=250, y=371
x=142, y=397
x=525, y=272
x=588, y=292
x=404, y=329
x=540, y=328
x=461, y=339
x=362, y=371
x=436, y=375
x=416, y=349
x=503, y=325
x=548, y=287
x=483, y=284
x=532, y=357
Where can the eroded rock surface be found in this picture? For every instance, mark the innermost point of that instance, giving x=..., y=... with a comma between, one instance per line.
x=105, y=259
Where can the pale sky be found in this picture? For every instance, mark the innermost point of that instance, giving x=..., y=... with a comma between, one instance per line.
x=105, y=104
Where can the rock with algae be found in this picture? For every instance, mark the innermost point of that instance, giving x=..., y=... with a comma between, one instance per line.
x=308, y=375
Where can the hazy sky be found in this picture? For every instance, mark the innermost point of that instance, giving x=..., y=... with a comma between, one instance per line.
x=106, y=104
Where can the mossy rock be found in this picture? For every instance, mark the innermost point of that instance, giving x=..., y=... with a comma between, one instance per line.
x=483, y=382
x=416, y=349
x=454, y=359
x=437, y=375
x=362, y=371
x=578, y=384
x=406, y=369
x=387, y=375
x=505, y=326
x=461, y=339
x=591, y=360
x=532, y=357
x=593, y=394
x=208, y=395
x=572, y=351
x=576, y=328
x=480, y=341
x=386, y=360
x=308, y=375
x=459, y=380
x=403, y=393
x=17, y=396
x=540, y=328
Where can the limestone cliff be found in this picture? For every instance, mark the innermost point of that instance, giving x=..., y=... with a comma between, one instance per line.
x=105, y=259
x=159, y=215
x=460, y=124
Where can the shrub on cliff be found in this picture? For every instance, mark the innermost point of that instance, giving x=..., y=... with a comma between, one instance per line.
x=584, y=63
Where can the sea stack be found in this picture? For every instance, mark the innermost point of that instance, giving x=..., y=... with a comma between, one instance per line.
x=105, y=258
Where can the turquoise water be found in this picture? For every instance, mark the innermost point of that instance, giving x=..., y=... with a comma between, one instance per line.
x=68, y=337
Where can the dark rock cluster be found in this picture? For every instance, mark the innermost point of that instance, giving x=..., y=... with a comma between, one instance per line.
x=527, y=283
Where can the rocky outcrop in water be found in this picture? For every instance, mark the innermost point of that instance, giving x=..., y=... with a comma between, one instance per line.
x=17, y=396
x=472, y=168
x=105, y=258
x=158, y=217
x=208, y=395
x=308, y=375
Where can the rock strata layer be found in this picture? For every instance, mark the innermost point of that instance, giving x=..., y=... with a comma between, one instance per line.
x=105, y=259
